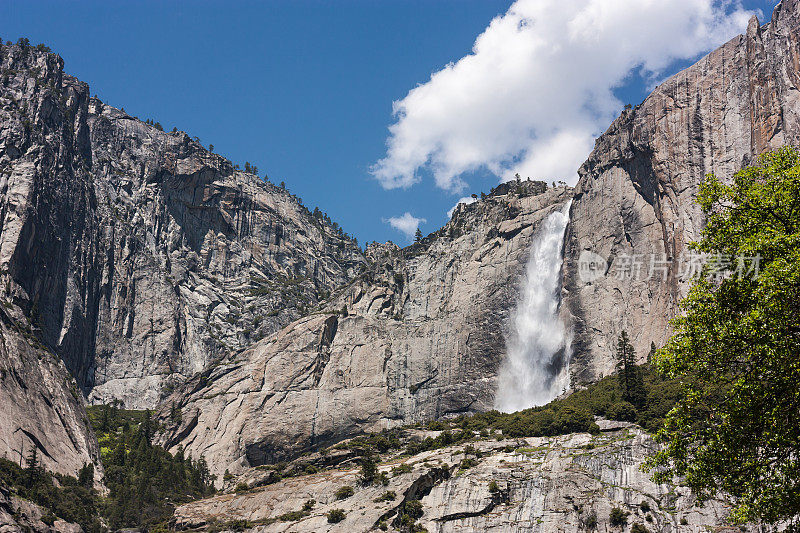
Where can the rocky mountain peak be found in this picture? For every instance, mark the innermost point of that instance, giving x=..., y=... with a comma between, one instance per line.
x=173, y=254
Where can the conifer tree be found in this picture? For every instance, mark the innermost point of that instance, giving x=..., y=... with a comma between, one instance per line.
x=86, y=475
x=32, y=467
x=625, y=358
x=631, y=379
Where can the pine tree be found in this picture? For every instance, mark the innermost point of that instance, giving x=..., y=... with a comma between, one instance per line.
x=418, y=235
x=369, y=470
x=624, y=358
x=175, y=414
x=631, y=378
x=32, y=467
x=146, y=427
x=86, y=475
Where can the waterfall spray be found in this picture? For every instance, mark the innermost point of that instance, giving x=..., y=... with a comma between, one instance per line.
x=535, y=369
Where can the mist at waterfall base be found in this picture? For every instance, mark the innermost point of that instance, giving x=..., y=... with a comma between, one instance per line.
x=535, y=370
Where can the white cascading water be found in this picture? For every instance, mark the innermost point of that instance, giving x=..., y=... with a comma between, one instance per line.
x=535, y=369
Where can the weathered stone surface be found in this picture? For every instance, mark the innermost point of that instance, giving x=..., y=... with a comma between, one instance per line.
x=21, y=516
x=139, y=255
x=46, y=260
x=420, y=335
x=48, y=249
x=199, y=258
x=140, y=259
x=544, y=485
x=40, y=404
x=635, y=196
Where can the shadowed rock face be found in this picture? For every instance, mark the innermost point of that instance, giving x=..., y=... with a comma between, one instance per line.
x=138, y=254
x=636, y=193
x=199, y=258
x=47, y=257
x=421, y=337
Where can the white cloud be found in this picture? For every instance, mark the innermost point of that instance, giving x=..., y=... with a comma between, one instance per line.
x=537, y=87
x=465, y=200
x=406, y=224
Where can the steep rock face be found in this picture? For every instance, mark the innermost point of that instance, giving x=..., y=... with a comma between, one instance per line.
x=563, y=484
x=200, y=258
x=41, y=404
x=137, y=255
x=47, y=260
x=420, y=335
x=635, y=197
x=48, y=249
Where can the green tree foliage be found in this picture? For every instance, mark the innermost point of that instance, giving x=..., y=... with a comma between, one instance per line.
x=369, y=470
x=576, y=412
x=86, y=475
x=60, y=496
x=344, y=492
x=144, y=481
x=736, y=347
x=629, y=374
x=175, y=414
x=618, y=517
x=32, y=469
x=418, y=235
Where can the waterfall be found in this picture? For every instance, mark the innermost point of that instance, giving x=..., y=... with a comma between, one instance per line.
x=535, y=369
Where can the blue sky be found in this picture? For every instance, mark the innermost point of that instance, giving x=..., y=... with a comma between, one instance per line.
x=303, y=89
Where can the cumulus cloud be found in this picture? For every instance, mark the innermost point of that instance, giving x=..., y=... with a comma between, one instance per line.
x=537, y=87
x=407, y=224
x=464, y=200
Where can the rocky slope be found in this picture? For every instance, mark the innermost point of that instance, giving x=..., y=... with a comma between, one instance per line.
x=423, y=334
x=21, y=516
x=420, y=335
x=46, y=253
x=41, y=403
x=635, y=196
x=138, y=254
x=566, y=484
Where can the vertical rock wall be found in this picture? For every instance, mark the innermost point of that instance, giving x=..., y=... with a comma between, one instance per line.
x=636, y=193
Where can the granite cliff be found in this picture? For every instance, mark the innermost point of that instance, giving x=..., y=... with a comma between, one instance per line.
x=136, y=265
x=407, y=349
x=635, y=197
x=199, y=258
x=140, y=255
x=46, y=257
x=419, y=335
x=131, y=257
x=567, y=484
